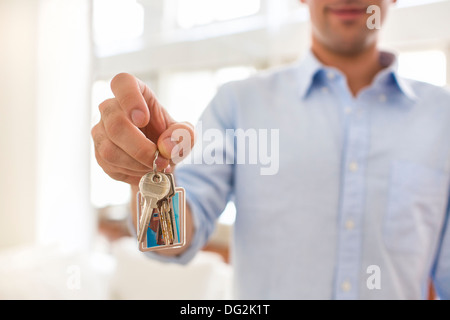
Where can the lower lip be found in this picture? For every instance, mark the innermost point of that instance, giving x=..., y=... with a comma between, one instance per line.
x=348, y=14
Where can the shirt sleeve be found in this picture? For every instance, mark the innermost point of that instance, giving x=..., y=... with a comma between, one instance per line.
x=441, y=272
x=207, y=174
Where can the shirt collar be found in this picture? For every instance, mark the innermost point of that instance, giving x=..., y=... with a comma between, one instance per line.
x=311, y=68
x=389, y=76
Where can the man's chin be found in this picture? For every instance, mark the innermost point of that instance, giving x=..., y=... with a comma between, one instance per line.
x=353, y=46
x=348, y=49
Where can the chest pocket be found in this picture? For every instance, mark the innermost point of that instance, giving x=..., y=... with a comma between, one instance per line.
x=416, y=207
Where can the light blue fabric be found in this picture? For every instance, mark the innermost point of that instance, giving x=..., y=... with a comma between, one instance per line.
x=362, y=182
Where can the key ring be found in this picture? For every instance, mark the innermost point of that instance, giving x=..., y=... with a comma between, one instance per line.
x=156, y=176
x=154, y=161
x=155, y=168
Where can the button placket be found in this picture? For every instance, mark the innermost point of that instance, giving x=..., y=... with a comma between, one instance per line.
x=352, y=205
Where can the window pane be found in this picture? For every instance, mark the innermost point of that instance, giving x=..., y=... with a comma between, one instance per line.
x=192, y=13
x=186, y=94
x=228, y=216
x=117, y=20
x=232, y=9
x=410, y=3
x=427, y=66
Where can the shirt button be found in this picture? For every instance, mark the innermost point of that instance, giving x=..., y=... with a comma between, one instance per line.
x=331, y=75
x=353, y=166
x=346, y=286
x=348, y=110
x=382, y=98
x=324, y=89
x=349, y=224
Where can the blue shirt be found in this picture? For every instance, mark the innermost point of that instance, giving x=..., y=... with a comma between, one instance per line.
x=357, y=206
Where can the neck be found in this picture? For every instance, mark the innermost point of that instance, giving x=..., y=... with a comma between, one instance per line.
x=359, y=68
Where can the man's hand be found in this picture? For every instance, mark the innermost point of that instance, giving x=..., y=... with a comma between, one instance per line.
x=132, y=127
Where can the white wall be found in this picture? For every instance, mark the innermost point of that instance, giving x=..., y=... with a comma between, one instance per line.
x=18, y=71
x=45, y=78
x=64, y=212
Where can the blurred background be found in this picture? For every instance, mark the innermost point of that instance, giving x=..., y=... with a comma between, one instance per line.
x=62, y=219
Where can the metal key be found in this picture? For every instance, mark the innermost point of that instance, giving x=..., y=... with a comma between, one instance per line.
x=154, y=186
x=165, y=223
x=170, y=213
x=164, y=208
x=172, y=185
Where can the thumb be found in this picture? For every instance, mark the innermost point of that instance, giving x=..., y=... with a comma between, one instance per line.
x=176, y=142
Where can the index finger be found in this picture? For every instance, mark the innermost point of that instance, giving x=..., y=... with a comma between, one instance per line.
x=129, y=92
x=123, y=136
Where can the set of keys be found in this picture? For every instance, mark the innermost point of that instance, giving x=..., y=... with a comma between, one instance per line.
x=160, y=214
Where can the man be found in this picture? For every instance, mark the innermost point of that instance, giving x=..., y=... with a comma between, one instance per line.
x=359, y=205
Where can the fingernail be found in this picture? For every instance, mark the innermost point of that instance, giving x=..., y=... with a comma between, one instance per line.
x=167, y=146
x=138, y=118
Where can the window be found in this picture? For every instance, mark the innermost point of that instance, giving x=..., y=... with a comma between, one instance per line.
x=410, y=3
x=192, y=13
x=115, y=22
x=186, y=94
x=427, y=66
x=228, y=215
